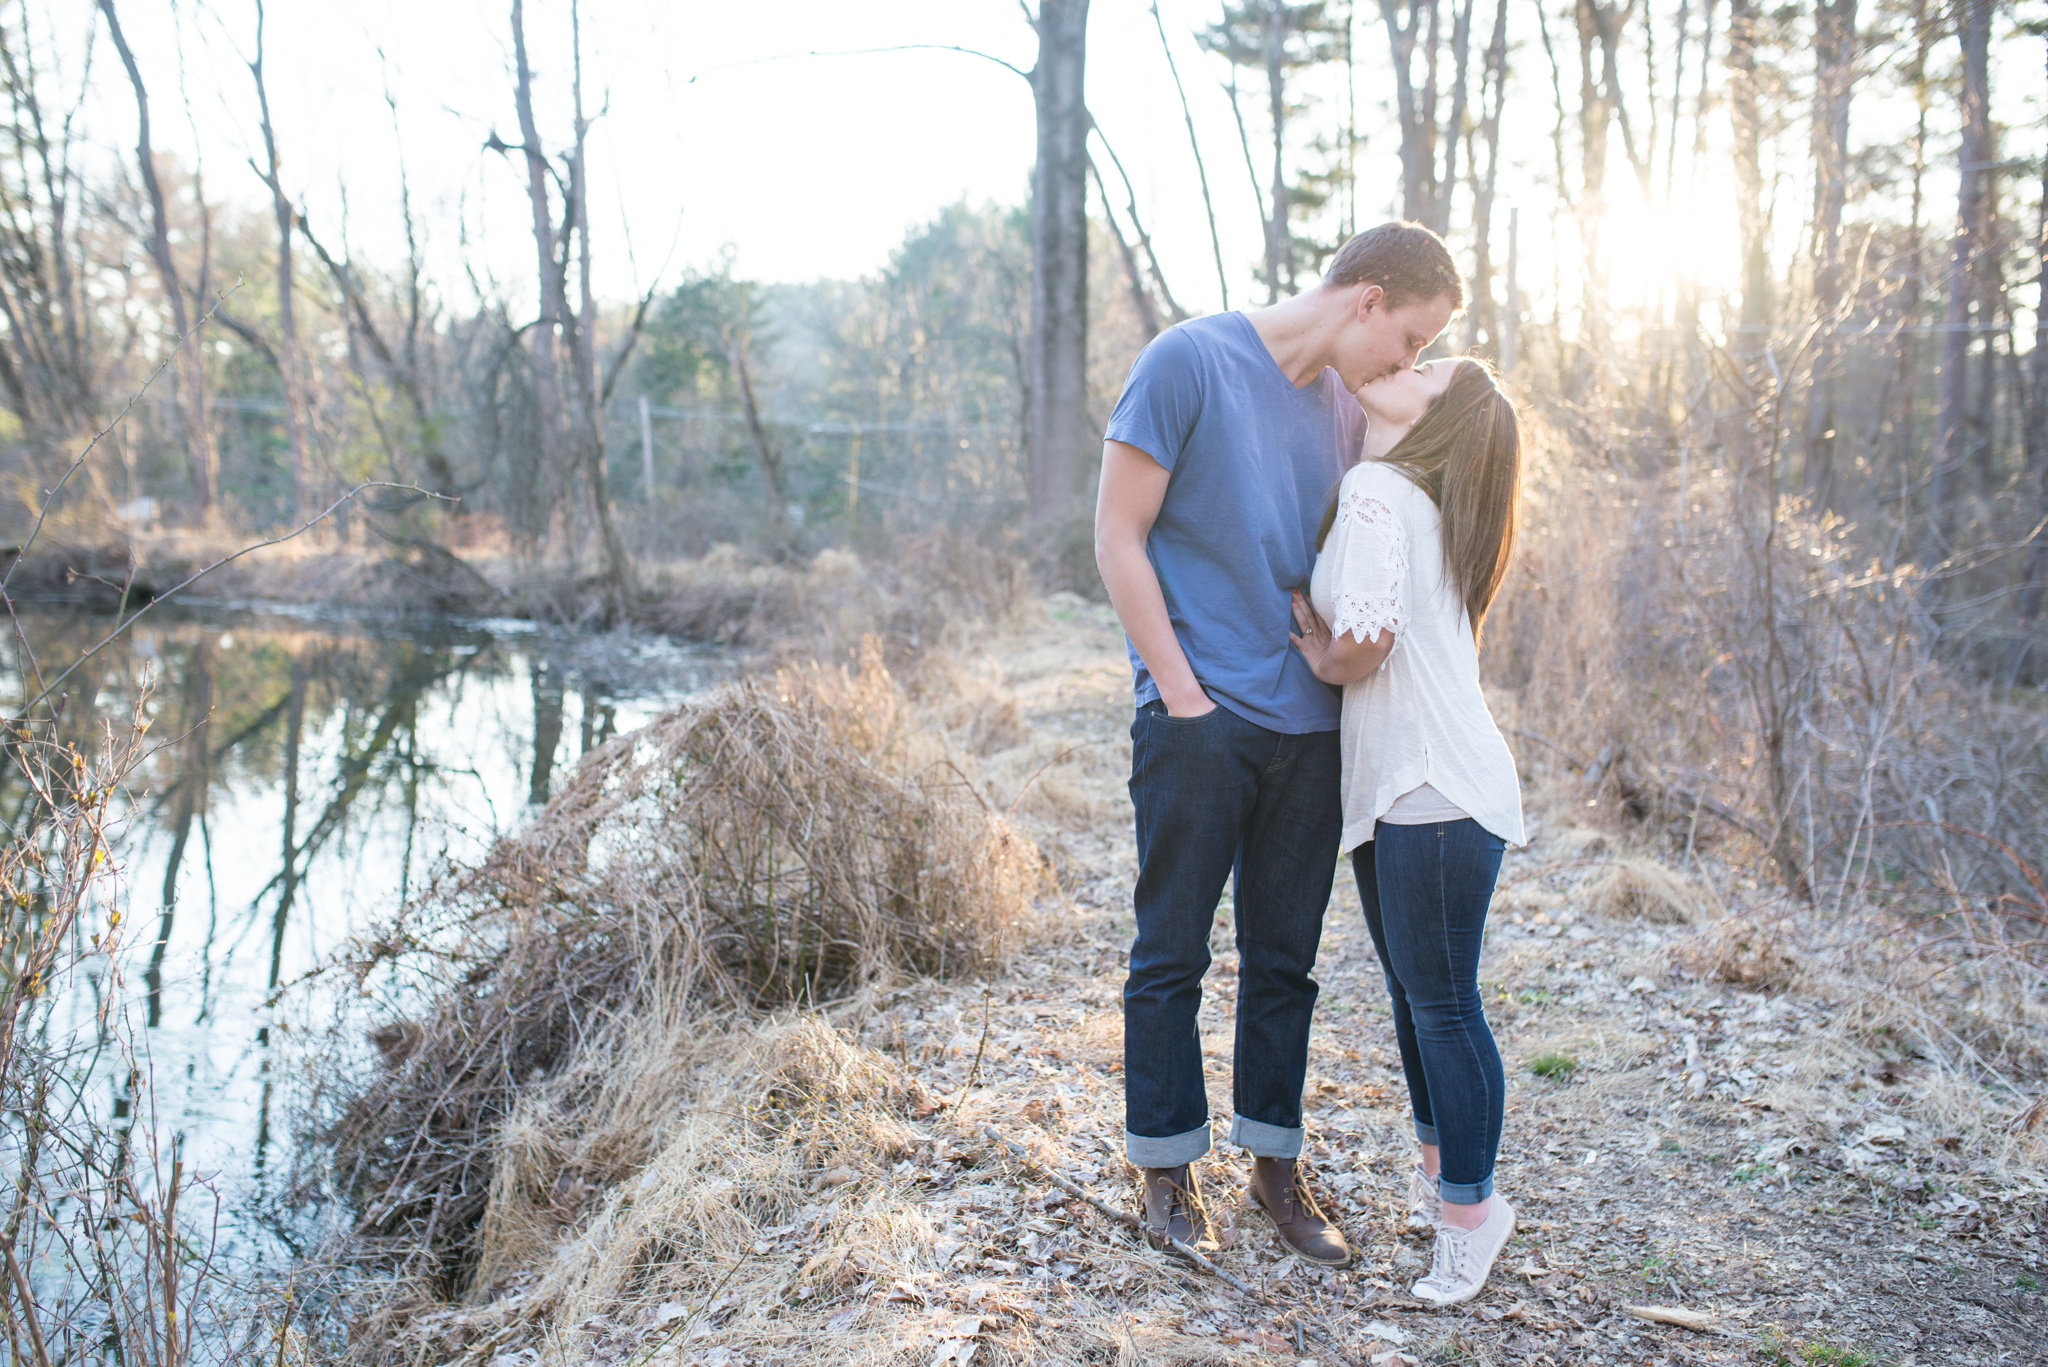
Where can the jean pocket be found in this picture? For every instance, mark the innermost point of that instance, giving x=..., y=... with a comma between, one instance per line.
x=1171, y=720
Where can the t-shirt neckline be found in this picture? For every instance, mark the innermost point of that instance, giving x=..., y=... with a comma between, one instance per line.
x=1312, y=389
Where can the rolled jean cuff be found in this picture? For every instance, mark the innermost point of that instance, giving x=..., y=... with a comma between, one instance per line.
x=1169, y=1152
x=1463, y=1193
x=1425, y=1134
x=1265, y=1141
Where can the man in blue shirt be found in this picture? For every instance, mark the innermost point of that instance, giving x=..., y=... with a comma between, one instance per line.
x=1230, y=436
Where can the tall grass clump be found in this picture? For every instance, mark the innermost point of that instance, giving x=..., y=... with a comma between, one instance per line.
x=783, y=843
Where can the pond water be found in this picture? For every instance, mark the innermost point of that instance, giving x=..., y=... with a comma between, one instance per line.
x=308, y=775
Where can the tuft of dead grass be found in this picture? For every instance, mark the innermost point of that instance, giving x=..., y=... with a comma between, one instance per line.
x=788, y=841
x=1745, y=950
x=1643, y=889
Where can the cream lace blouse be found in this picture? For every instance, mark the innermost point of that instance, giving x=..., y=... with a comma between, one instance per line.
x=1420, y=718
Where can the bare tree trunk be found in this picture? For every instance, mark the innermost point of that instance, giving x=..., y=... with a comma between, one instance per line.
x=1279, y=241
x=1677, y=101
x=1493, y=87
x=288, y=359
x=764, y=450
x=2034, y=438
x=190, y=369
x=1834, y=54
x=1950, y=437
x=1058, y=367
x=1414, y=107
x=554, y=309
x=1511, y=307
x=1903, y=399
x=1558, y=200
x=1594, y=118
x=618, y=570
x=1454, y=129
x=1749, y=177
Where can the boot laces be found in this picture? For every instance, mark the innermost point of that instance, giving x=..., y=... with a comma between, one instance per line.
x=1297, y=1193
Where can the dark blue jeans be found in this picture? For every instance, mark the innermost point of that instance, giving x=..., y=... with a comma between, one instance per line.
x=1426, y=890
x=1219, y=797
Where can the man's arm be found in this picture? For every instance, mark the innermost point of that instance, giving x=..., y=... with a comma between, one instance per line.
x=1133, y=486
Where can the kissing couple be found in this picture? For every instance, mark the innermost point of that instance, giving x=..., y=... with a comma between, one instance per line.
x=1301, y=530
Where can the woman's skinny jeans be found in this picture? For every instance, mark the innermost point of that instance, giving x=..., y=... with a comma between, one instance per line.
x=1425, y=890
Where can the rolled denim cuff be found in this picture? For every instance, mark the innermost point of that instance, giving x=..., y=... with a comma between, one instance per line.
x=1265, y=1141
x=1425, y=1134
x=1169, y=1152
x=1463, y=1193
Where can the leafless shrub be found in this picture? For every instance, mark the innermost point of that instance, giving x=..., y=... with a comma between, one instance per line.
x=785, y=842
x=96, y=1253
x=1704, y=657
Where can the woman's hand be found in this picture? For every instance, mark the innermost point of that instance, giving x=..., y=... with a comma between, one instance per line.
x=1335, y=660
x=1314, y=640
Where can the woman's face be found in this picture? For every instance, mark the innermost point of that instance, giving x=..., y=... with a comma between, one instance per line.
x=1402, y=397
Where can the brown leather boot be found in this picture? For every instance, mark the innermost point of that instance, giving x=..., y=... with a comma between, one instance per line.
x=1279, y=1186
x=1174, y=1208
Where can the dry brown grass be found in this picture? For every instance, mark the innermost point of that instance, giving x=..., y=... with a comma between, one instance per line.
x=1744, y=950
x=928, y=588
x=1643, y=889
x=788, y=841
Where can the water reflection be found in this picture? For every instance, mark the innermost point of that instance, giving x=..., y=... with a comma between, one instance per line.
x=306, y=778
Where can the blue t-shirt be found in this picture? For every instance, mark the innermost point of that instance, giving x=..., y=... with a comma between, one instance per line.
x=1252, y=461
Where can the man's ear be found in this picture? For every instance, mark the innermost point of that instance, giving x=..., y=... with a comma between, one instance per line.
x=1370, y=298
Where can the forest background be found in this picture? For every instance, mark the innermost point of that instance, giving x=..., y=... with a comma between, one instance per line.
x=582, y=312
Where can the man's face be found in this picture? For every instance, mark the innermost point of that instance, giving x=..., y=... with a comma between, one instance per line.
x=1380, y=340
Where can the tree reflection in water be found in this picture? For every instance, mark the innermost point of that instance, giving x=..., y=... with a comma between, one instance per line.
x=305, y=778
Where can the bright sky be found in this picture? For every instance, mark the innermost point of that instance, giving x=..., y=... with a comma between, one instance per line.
x=815, y=166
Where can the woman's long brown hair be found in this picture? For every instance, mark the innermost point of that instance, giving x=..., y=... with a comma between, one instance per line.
x=1465, y=451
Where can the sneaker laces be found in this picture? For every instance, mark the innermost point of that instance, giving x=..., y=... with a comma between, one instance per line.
x=1423, y=1201
x=1447, y=1263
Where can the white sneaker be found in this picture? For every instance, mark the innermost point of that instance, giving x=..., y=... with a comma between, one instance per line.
x=1425, y=1207
x=1465, y=1257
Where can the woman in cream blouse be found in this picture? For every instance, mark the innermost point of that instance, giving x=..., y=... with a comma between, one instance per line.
x=1413, y=547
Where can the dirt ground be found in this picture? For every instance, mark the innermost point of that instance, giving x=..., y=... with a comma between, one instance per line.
x=1771, y=1166
x=1735, y=1153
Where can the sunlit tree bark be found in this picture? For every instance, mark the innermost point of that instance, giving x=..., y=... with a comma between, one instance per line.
x=1058, y=364
x=1751, y=219
x=1834, y=52
x=1951, y=436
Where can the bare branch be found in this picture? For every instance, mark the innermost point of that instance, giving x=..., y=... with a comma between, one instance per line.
x=1010, y=67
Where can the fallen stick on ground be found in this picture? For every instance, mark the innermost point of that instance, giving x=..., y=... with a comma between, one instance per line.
x=1672, y=1315
x=1310, y=1324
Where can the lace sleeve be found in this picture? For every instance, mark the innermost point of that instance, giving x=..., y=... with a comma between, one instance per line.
x=1368, y=596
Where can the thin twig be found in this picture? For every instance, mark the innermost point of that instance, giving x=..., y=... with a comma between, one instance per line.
x=1071, y=749
x=1010, y=67
x=979, y=1049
